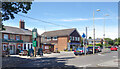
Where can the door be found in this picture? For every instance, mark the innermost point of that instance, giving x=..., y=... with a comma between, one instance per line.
x=12, y=49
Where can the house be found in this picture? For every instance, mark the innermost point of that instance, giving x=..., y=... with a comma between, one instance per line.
x=17, y=38
x=62, y=39
x=97, y=41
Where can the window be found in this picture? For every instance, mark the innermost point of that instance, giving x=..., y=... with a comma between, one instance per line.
x=19, y=47
x=73, y=38
x=12, y=36
x=70, y=37
x=17, y=37
x=46, y=47
x=55, y=38
x=90, y=42
x=78, y=38
x=48, y=38
x=31, y=46
x=24, y=46
x=4, y=47
x=6, y=36
x=28, y=46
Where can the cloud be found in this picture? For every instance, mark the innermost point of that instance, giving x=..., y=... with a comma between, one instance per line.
x=80, y=19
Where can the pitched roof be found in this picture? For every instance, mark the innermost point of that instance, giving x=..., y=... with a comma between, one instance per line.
x=64, y=32
x=15, y=30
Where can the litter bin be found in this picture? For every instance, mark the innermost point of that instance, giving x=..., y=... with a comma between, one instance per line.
x=40, y=51
x=30, y=52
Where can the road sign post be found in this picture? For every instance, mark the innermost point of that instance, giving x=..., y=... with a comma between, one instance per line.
x=34, y=36
x=83, y=43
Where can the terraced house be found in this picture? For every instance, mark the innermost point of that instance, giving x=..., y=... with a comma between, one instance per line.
x=17, y=38
x=62, y=39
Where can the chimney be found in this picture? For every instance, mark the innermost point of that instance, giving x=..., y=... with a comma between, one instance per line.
x=21, y=24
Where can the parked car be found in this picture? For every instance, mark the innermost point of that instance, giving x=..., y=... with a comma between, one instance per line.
x=113, y=48
x=80, y=51
x=97, y=49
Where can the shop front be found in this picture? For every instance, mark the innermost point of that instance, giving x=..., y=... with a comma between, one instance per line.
x=11, y=46
x=74, y=46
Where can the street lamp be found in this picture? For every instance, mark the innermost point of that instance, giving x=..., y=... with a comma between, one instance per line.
x=94, y=31
x=104, y=32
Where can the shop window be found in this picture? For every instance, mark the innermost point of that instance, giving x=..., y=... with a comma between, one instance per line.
x=6, y=36
x=24, y=46
x=46, y=47
x=10, y=47
x=28, y=46
x=31, y=46
x=4, y=47
x=19, y=47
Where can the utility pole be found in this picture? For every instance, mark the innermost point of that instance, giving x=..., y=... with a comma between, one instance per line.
x=93, y=33
x=86, y=41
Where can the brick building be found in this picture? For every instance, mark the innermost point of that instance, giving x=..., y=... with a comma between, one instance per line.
x=62, y=39
x=17, y=38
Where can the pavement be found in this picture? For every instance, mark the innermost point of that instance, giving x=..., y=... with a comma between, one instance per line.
x=63, y=59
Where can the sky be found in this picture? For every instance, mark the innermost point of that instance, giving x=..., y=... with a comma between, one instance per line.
x=77, y=15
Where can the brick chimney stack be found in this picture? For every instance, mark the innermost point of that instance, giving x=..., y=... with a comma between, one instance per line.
x=21, y=24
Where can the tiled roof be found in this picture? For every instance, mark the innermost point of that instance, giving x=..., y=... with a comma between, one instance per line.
x=15, y=30
x=64, y=32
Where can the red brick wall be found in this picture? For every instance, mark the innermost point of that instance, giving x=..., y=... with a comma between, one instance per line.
x=62, y=43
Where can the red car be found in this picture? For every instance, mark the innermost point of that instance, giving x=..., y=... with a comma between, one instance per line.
x=113, y=48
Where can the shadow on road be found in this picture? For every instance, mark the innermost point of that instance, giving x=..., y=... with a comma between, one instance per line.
x=42, y=63
x=51, y=62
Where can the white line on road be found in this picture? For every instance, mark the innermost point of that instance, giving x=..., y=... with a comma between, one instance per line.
x=101, y=55
x=85, y=65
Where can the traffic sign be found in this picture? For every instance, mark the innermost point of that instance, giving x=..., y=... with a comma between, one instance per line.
x=83, y=35
x=34, y=43
x=34, y=33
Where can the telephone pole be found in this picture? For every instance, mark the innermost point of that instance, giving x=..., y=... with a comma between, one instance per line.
x=86, y=41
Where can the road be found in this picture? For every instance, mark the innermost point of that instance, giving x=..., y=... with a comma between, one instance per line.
x=65, y=59
x=69, y=59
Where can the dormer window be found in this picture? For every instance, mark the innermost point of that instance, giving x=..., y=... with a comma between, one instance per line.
x=55, y=38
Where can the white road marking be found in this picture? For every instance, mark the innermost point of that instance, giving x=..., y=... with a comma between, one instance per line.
x=85, y=65
x=101, y=55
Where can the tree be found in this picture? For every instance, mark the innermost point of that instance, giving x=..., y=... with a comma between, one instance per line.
x=90, y=37
x=111, y=42
x=11, y=8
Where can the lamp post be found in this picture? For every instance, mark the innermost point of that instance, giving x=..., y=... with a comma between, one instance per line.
x=94, y=30
x=104, y=31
